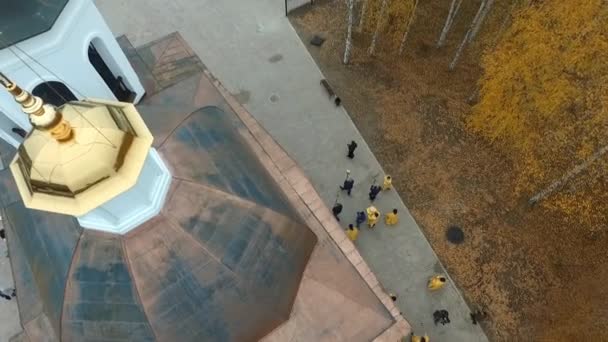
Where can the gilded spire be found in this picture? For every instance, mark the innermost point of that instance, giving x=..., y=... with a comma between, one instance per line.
x=42, y=116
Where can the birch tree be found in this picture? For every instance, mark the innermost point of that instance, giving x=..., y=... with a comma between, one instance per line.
x=454, y=8
x=556, y=185
x=484, y=8
x=543, y=100
x=383, y=10
x=477, y=23
x=349, y=33
x=362, y=15
x=407, y=27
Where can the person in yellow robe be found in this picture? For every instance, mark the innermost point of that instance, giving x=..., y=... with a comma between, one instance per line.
x=436, y=282
x=388, y=183
x=352, y=232
x=372, y=216
x=416, y=338
x=391, y=218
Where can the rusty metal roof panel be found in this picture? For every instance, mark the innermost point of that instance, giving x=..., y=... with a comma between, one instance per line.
x=224, y=160
x=48, y=242
x=217, y=268
x=101, y=301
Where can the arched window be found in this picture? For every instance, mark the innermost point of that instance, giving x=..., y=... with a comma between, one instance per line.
x=101, y=59
x=55, y=93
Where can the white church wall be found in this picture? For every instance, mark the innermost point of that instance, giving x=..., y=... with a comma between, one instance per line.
x=64, y=51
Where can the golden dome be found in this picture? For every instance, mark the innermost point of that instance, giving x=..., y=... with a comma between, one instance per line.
x=80, y=155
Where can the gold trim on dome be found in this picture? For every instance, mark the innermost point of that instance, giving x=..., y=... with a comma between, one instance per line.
x=127, y=141
x=50, y=126
x=120, y=119
x=71, y=192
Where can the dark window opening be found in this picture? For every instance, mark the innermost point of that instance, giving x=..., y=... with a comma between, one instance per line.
x=55, y=93
x=19, y=131
x=116, y=84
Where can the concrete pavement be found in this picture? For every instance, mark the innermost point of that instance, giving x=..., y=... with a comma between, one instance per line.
x=252, y=49
x=9, y=312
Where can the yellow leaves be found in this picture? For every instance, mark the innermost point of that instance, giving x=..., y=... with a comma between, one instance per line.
x=544, y=95
x=394, y=23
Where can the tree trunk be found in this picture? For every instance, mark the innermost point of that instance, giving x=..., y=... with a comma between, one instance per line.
x=506, y=20
x=407, y=28
x=349, y=33
x=467, y=37
x=477, y=24
x=553, y=187
x=362, y=15
x=454, y=7
x=372, y=47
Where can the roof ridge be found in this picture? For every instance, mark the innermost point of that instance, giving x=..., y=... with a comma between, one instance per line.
x=127, y=259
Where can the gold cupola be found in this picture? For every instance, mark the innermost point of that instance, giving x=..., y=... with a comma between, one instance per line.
x=77, y=156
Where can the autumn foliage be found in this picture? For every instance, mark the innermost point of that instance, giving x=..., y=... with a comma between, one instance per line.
x=544, y=98
x=394, y=23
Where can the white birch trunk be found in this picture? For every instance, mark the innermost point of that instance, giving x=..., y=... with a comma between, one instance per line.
x=349, y=33
x=477, y=24
x=362, y=15
x=467, y=36
x=454, y=7
x=567, y=177
x=372, y=47
x=506, y=20
x=407, y=28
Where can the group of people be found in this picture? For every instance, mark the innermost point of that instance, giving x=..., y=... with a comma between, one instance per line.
x=372, y=215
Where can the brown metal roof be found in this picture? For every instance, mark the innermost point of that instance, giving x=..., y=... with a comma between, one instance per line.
x=225, y=260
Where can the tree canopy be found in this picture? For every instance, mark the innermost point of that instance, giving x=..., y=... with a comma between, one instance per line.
x=544, y=97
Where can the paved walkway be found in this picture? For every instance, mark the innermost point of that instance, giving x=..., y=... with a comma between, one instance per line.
x=9, y=312
x=252, y=49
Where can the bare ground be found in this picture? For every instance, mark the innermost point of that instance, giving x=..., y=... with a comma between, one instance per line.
x=539, y=279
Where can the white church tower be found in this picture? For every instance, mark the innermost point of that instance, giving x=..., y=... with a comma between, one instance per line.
x=59, y=50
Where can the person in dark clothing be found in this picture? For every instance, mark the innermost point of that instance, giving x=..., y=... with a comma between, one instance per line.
x=6, y=295
x=478, y=316
x=441, y=316
x=336, y=210
x=351, y=149
x=361, y=217
x=374, y=190
x=348, y=185
x=2, y=234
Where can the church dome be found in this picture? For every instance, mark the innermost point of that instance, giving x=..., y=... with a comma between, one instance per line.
x=100, y=156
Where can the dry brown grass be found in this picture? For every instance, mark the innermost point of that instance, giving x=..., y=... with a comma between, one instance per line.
x=537, y=277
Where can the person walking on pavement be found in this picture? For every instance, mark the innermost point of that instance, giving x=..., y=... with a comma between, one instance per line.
x=441, y=316
x=436, y=282
x=391, y=218
x=478, y=316
x=374, y=190
x=388, y=183
x=416, y=338
x=372, y=216
x=352, y=233
x=360, y=218
x=372, y=220
x=351, y=149
x=349, y=183
x=336, y=210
